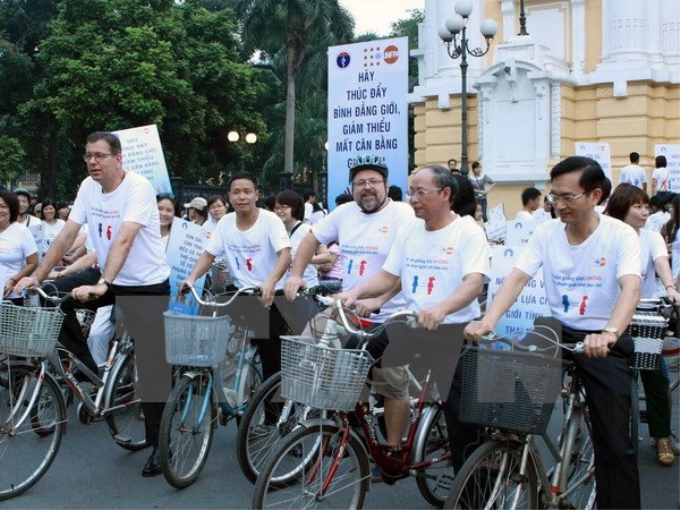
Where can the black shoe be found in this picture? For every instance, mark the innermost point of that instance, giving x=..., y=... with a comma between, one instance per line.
x=153, y=464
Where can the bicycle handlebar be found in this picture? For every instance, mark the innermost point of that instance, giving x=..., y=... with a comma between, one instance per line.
x=52, y=299
x=577, y=348
x=245, y=290
x=411, y=318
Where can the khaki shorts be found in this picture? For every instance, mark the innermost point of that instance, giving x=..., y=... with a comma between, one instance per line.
x=391, y=382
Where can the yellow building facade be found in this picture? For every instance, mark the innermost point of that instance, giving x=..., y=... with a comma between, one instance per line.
x=604, y=71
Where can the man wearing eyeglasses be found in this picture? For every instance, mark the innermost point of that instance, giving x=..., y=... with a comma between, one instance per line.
x=365, y=230
x=442, y=262
x=592, y=281
x=121, y=212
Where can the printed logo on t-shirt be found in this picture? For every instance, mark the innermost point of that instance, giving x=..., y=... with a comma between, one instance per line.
x=249, y=264
x=384, y=229
x=599, y=262
x=362, y=266
x=448, y=250
x=429, y=287
x=582, y=307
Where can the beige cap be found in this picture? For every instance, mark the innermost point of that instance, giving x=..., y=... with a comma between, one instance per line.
x=199, y=203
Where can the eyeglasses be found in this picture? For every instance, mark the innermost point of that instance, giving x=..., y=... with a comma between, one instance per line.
x=367, y=182
x=421, y=192
x=553, y=199
x=98, y=156
x=281, y=208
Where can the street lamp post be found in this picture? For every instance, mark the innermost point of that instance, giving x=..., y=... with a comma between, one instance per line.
x=456, y=47
x=250, y=139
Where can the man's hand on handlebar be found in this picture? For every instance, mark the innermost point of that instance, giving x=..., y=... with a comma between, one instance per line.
x=430, y=318
x=86, y=293
x=475, y=330
x=293, y=285
x=184, y=286
x=25, y=283
x=267, y=289
x=597, y=345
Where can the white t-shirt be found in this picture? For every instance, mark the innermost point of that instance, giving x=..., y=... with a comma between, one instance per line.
x=133, y=200
x=309, y=209
x=310, y=276
x=208, y=227
x=633, y=174
x=524, y=216
x=581, y=282
x=661, y=176
x=432, y=264
x=251, y=254
x=50, y=233
x=16, y=243
x=365, y=241
x=652, y=246
x=675, y=258
x=314, y=218
x=657, y=220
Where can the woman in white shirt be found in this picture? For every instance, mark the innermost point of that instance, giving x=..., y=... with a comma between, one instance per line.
x=630, y=204
x=18, y=252
x=52, y=225
x=217, y=207
x=167, y=210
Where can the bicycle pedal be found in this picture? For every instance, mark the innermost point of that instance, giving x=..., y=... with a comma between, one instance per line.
x=122, y=439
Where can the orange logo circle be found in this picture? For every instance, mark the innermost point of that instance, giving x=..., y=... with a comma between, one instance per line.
x=391, y=54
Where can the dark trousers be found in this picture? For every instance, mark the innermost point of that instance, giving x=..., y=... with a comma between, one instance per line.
x=607, y=382
x=142, y=308
x=658, y=405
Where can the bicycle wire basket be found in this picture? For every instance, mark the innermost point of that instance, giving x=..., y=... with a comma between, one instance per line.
x=29, y=331
x=195, y=340
x=320, y=377
x=648, y=330
x=509, y=390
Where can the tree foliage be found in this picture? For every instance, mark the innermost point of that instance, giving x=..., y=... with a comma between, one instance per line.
x=11, y=158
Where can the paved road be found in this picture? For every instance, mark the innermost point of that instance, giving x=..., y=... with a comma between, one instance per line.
x=92, y=472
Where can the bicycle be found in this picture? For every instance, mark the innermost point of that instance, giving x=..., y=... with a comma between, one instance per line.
x=507, y=470
x=269, y=417
x=198, y=346
x=323, y=460
x=33, y=402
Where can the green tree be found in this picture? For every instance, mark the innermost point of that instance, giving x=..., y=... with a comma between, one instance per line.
x=409, y=27
x=11, y=158
x=115, y=64
x=283, y=29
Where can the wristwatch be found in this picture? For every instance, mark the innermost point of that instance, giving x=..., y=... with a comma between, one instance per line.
x=104, y=281
x=612, y=330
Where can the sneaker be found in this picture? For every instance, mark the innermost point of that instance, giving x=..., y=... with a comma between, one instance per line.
x=261, y=430
x=376, y=475
x=664, y=452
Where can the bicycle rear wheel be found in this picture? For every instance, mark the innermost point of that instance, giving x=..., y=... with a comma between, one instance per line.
x=27, y=449
x=262, y=426
x=306, y=460
x=490, y=478
x=187, y=429
x=125, y=418
x=580, y=490
x=434, y=482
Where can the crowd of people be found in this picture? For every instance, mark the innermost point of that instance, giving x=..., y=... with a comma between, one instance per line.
x=430, y=255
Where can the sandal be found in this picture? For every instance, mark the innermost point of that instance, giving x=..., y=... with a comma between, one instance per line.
x=664, y=452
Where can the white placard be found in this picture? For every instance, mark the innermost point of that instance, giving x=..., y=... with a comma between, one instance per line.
x=531, y=302
x=367, y=109
x=185, y=246
x=143, y=154
x=517, y=232
x=600, y=152
x=497, y=213
x=672, y=153
x=495, y=229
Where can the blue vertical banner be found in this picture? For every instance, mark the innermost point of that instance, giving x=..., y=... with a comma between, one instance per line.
x=367, y=109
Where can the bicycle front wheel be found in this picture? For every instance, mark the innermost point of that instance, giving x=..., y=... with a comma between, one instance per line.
x=580, y=491
x=491, y=478
x=309, y=470
x=124, y=414
x=28, y=446
x=264, y=423
x=187, y=430
x=434, y=482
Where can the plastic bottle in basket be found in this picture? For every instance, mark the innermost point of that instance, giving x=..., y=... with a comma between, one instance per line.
x=330, y=339
x=671, y=352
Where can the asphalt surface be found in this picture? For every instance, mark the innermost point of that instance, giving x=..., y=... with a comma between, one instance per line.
x=92, y=472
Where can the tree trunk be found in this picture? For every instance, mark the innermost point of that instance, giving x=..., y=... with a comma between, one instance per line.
x=289, y=155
